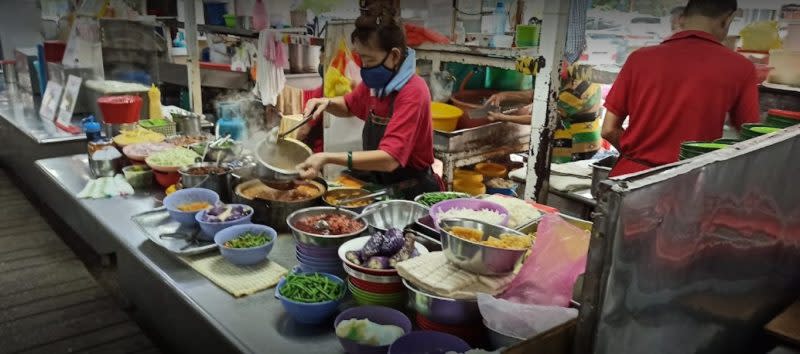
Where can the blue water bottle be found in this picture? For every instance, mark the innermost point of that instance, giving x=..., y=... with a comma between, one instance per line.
x=92, y=129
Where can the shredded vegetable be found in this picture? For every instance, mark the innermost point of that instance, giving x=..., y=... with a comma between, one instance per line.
x=174, y=157
x=311, y=288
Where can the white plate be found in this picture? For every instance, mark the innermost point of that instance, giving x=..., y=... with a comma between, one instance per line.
x=357, y=244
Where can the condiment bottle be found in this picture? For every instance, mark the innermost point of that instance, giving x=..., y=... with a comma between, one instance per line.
x=92, y=129
x=154, y=96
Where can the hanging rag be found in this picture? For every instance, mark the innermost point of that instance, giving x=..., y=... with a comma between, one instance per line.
x=290, y=101
x=576, y=30
x=407, y=70
x=270, y=79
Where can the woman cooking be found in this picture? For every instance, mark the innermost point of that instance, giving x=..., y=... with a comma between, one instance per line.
x=394, y=103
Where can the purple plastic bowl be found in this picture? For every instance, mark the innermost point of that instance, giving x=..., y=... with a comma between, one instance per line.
x=209, y=229
x=428, y=342
x=188, y=195
x=377, y=314
x=318, y=263
x=474, y=204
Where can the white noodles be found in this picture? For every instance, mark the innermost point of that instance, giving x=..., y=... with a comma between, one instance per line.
x=483, y=215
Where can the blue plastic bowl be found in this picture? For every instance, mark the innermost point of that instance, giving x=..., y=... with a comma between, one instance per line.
x=314, y=313
x=185, y=196
x=245, y=256
x=209, y=229
x=428, y=342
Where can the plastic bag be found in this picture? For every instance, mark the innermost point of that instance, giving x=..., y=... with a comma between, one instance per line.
x=761, y=36
x=342, y=72
x=520, y=320
x=557, y=259
x=442, y=84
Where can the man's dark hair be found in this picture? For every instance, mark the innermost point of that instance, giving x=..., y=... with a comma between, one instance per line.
x=380, y=20
x=711, y=8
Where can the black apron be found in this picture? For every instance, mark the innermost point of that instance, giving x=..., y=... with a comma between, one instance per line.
x=411, y=182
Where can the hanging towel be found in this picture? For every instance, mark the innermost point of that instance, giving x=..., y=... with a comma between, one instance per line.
x=576, y=30
x=407, y=70
x=270, y=79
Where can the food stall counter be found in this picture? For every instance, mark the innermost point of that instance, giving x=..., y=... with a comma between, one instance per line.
x=24, y=117
x=189, y=311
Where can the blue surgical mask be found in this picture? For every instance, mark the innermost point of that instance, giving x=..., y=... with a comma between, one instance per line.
x=378, y=76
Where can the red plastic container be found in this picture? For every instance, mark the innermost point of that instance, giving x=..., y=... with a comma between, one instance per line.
x=54, y=51
x=784, y=114
x=378, y=288
x=120, y=109
x=166, y=179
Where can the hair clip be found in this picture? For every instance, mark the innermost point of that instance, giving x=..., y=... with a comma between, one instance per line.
x=378, y=20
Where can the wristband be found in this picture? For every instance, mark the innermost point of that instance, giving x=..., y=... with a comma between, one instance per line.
x=350, y=160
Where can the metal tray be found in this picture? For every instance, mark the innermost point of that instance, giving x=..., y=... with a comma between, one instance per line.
x=156, y=224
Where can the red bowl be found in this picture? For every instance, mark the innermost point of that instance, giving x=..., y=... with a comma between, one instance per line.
x=377, y=287
x=120, y=109
x=166, y=179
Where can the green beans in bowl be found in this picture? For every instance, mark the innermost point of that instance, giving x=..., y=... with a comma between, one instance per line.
x=429, y=199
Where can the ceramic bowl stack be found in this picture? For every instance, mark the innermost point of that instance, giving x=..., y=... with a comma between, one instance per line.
x=692, y=149
x=314, y=259
x=474, y=333
x=380, y=287
x=750, y=131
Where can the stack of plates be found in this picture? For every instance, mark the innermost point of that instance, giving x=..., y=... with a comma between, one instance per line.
x=473, y=333
x=782, y=119
x=319, y=259
x=381, y=287
x=692, y=149
x=750, y=131
x=373, y=288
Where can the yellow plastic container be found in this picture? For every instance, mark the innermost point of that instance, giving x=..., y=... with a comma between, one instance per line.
x=469, y=187
x=491, y=170
x=467, y=175
x=445, y=116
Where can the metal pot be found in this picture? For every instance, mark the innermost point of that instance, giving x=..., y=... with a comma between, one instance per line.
x=273, y=212
x=442, y=309
x=220, y=183
x=600, y=171
x=187, y=124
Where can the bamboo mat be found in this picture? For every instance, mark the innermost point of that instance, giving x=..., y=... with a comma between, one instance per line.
x=237, y=280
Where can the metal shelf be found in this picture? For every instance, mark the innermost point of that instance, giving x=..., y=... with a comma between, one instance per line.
x=504, y=58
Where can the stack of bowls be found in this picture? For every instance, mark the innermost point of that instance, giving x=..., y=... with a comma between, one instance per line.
x=428, y=342
x=750, y=131
x=381, y=287
x=319, y=259
x=692, y=149
x=782, y=119
x=316, y=252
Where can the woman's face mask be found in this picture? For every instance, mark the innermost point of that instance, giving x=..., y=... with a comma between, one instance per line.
x=378, y=76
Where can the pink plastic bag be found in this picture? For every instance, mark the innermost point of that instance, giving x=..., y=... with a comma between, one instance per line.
x=557, y=259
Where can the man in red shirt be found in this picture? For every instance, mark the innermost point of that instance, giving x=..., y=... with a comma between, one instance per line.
x=680, y=91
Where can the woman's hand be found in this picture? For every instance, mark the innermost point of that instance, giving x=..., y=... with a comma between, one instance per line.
x=316, y=106
x=519, y=116
x=312, y=167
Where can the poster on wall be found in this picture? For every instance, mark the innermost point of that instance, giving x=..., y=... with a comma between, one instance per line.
x=50, y=100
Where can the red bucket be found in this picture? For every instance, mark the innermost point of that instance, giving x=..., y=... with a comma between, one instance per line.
x=54, y=51
x=120, y=109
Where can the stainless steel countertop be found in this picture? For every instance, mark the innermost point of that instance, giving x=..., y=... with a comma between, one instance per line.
x=583, y=195
x=25, y=118
x=255, y=323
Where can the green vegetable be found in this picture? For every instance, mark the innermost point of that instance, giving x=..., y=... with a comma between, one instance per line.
x=248, y=240
x=429, y=199
x=178, y=157
x=311, y=288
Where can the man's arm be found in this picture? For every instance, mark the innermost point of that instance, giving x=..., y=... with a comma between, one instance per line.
x=612, y=129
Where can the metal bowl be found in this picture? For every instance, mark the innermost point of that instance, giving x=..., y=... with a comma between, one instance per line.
x=326, y=241
x=347, y=193
x=442, y=309
x=475, y=257
x=396, y=214
x=499, y=340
